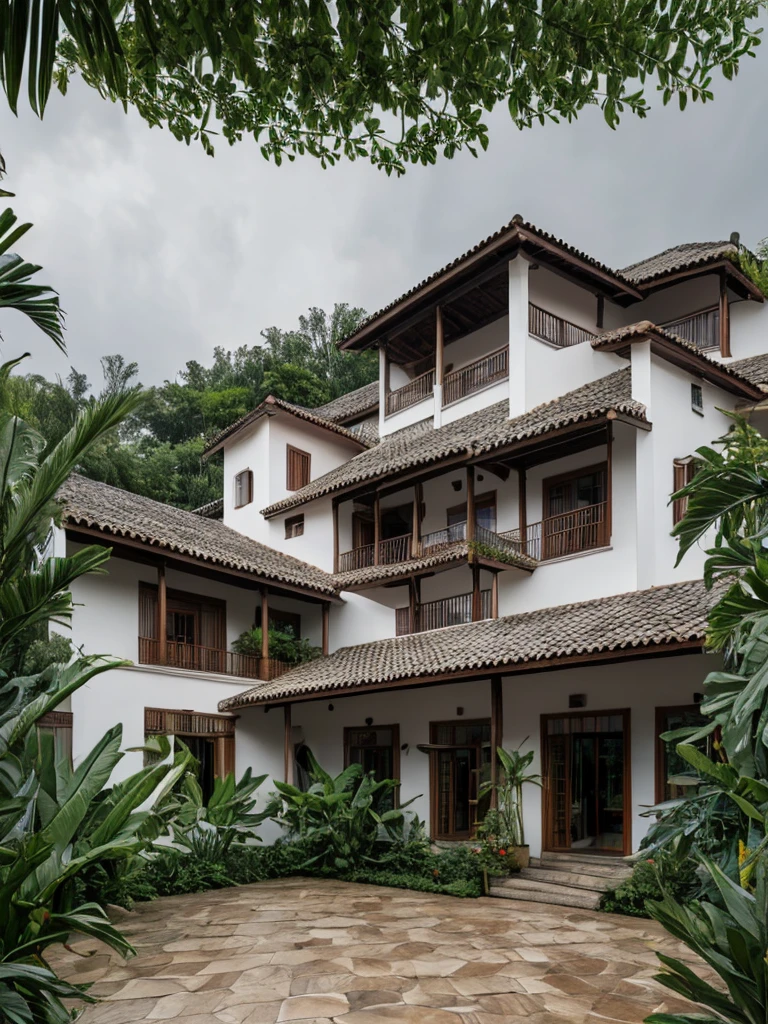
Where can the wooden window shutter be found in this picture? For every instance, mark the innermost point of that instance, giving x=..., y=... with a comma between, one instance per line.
x=244, y=488
x=684, y=471
x=148, y=611
x=297, y=468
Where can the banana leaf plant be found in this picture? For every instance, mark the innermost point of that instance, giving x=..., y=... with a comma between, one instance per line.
x=208, y=830
x=514, y=775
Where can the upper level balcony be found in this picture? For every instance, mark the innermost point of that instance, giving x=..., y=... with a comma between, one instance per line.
x=213, y=660
x=567, y=533
x=488, y=369
x=702, y=329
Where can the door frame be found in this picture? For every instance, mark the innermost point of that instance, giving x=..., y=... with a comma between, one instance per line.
x=547, y=822
x=434, y=777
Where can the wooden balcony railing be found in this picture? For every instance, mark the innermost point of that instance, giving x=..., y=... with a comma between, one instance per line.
x=702, y=329
x=566, y=534
x=448, y=611
x=195, y=658
x=554, y=329
x=439, y=539
x=391, y=551
x=476, y=376
x=414, y=391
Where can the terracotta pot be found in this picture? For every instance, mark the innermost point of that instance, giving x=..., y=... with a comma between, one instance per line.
x=523, y=855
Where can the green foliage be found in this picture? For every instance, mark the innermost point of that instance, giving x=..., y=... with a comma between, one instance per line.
x=208, y=831
x=339, y=821
x=283, y=645
x=57, y=649
x=652, y=879
x=514, y=774
x=496, y=843
x=755, y=265
x=395, y=82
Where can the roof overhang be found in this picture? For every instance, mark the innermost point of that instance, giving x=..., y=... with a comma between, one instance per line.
x=737, y=279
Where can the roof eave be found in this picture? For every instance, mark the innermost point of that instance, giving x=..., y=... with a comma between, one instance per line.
x=739, y=280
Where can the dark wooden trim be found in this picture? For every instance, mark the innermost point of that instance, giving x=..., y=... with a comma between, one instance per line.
x=609, y=481
x=659, y=756
x=740, y=280
x=376, y=528
x=497, y=731
x=495, y=596
x=546, y=803
x=725, y=317
x=335, y=507
x=477, y=600
x=522, y=507
x=433, y=749
x=264, y=623
x=326, y=628
x=395, y=750
x=162, y=614
x=439, y=347
x=671, y=650
x=155, y=555
x=600, y=314
x=249, y=498
x=288, y=753
x=584, y=266
x=470, y=471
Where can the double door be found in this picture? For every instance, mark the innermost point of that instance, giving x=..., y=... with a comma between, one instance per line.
x=460, y=755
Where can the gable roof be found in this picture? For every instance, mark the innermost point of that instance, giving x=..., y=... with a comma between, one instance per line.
x=671, y=615
x=355, y=403
x=679, y=257
x=483, y=431
x=271, y=405
x=120, y=513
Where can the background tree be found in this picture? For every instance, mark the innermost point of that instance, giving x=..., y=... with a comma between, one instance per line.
x=393, y=81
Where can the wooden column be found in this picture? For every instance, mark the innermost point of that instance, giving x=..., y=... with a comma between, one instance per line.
x=439, y=347
x=470, y=503
x=264, y=626
x=288, y=744
x=335, y=504
x=162, y=615
x=495, y=596
x=413, y=605
x=477, y=601
x=522, y=501
x=725, y=317
x=418, y=500
x=600, y=312
x=376, y=528
x=326, y=627
x=497, y=732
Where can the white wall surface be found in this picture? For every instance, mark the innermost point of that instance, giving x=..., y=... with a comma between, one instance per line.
x=423, y=410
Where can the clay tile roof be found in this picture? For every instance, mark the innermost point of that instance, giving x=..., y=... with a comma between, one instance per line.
x=753, y=368
x=355, y=403
x=670, y=614
x=517, y=222
x=454, y=553
x=712, y=369
x=271, y=405
x=679, y=257
x=211, y=510
x=123, y=514
x=480, y=432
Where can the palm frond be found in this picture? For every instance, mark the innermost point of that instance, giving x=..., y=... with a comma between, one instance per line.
x=17, y=290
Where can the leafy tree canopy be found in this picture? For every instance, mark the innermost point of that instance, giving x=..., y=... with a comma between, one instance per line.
x=158, y=450
x=392, y=81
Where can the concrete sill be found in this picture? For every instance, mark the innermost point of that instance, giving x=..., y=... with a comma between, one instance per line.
x=183, y=673
x=576, y=554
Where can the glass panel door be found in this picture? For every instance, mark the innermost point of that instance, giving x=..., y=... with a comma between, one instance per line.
x=461, y=763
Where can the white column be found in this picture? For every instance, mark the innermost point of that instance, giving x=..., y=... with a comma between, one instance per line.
x=518, y=334
x=437, y=391
x=382, y=389
x=645, y=483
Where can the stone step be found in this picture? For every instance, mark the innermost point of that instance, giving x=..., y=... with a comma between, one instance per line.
x=617, y=870
x=574, y=879
x=560, y=895
x=592, y=862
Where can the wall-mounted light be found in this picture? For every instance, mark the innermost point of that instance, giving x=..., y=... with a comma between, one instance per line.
x=405, y=746
x=698, y=698
x=369, y=721
x=456, y=485
x=577, y=700
x=480, y=477
x=330, y=707
x=459, y=712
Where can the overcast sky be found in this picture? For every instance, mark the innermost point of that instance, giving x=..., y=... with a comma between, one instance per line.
x=161, y=253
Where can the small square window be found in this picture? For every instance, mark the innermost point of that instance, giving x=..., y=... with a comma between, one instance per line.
x=294, y=527
x=244, y=488
x=697, y=398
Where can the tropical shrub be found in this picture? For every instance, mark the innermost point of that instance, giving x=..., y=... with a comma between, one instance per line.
x=284, y=645
x=495, y=849
x=652, y=879
x=507, y=826
x=41, y=653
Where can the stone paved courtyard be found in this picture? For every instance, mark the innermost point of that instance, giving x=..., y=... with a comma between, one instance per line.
x=323, y=951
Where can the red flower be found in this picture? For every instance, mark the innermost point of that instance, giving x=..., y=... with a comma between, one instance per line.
x=502, y=853
x=650, y=860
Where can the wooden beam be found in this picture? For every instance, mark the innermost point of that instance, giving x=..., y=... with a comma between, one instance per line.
x=326, y=628
x=288, y=744
x=335, y=505
x=162, y=615
x=725, y=317
x=376, y=528
x=264, y=624
x=609, y=481
x=439, y=346
x=600, y=312
x=522, y=503
x=477, y=597
x=418, y=497
x=413, y=605
x=497, y=732
x=470, y=504
x=495, y=596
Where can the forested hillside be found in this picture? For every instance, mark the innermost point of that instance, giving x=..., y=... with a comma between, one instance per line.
x=158, y=452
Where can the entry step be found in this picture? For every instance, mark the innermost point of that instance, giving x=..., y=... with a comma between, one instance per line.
x=560, y=895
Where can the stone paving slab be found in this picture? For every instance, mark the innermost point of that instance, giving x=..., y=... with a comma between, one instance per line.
x=326, y=952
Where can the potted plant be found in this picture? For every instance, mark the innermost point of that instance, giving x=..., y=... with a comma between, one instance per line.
x=513, y=775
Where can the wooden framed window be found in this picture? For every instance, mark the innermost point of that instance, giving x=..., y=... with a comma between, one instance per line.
x=298, y=465
x=669, y=765
x=210, y=738
x=697, y=398
x=294, y=526
x=244, y=488
x=460, y=760
x=575, y=514
x=684, y=470
x=59, y=725
x=376, y=748
x=195, y=630
x=485, y=512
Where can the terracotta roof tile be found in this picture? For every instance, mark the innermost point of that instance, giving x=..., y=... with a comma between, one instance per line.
x=102, y=507
x=480, y=432
x=679, y=257
x=272, y=404
x=662, y=615
x=355, y=403
x=753, y=368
